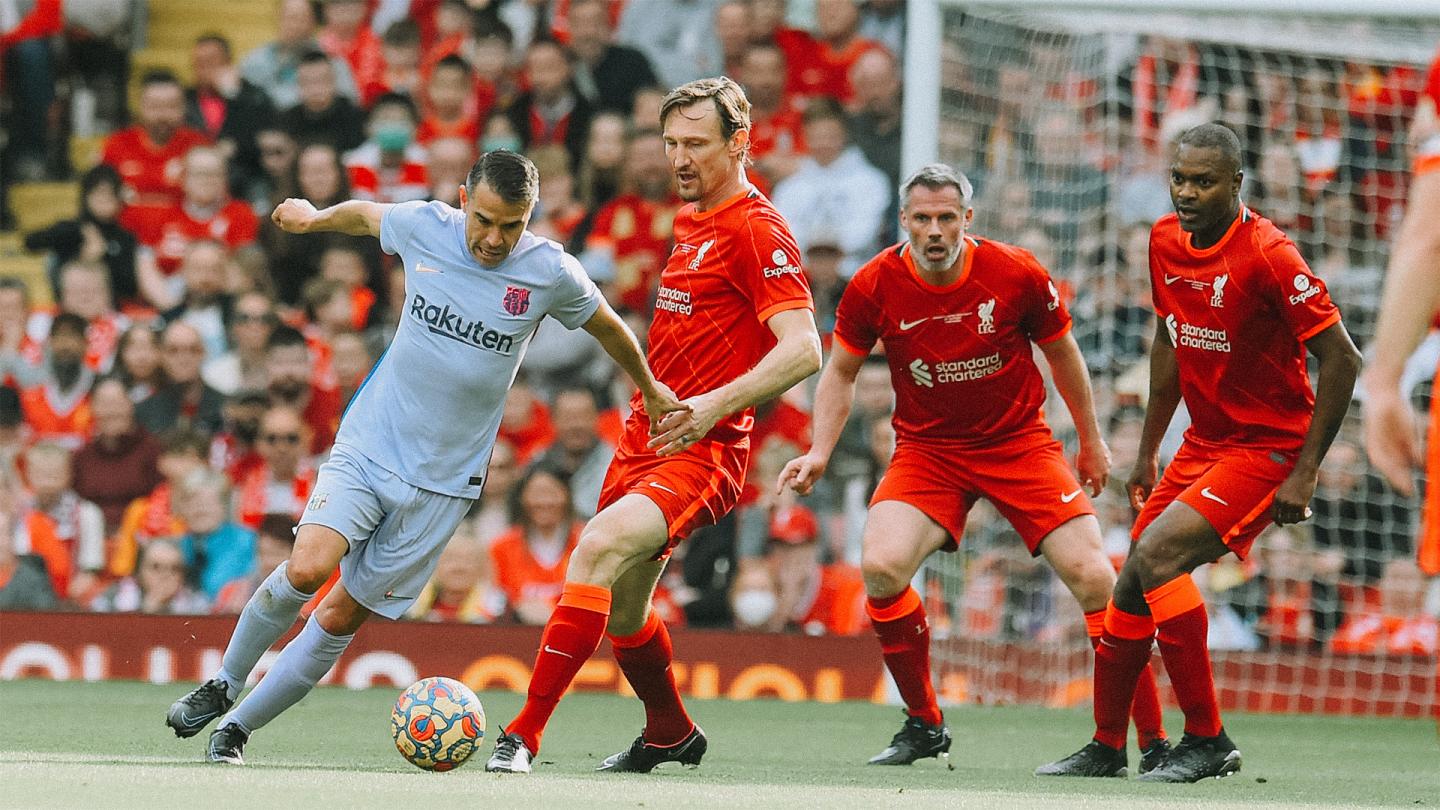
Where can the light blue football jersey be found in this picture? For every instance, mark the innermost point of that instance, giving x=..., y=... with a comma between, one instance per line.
x=431, y=407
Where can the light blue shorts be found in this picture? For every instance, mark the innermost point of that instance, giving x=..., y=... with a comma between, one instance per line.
x=396, y=530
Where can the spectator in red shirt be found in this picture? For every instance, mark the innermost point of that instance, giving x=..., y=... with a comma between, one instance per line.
x=389, y=167
x=205, y=212
x=450, y=94
x=529, y=561
x=344, y=34
x=282, y=484
x=630, y=239
x=148, y=154
x=227, y=108
x=401, y=51
x=58, y=406
x=290, y=371
x=837, y=24
x=526, y=422
x=777, y=137
x=1400, y=625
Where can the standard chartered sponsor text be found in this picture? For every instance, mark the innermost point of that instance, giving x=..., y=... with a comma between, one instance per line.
x=1204, y=338
x=673, y=300
x=965, y=370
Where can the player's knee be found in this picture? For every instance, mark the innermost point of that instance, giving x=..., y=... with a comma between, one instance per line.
x=307, y=574
x=885, y=574
x=625, y=619
x=598, y=559
x=1154, y=565
x=1091, y=583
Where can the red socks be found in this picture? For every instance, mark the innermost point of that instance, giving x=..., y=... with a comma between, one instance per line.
x=570, y=638
x=645, y=659
x=1122, y=651
x=904, y=634
x=1145, y=707
x=1179, y=612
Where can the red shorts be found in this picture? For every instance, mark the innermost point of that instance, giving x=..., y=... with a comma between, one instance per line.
x=1231, y=487
x=1029, y=481
x=693, y=488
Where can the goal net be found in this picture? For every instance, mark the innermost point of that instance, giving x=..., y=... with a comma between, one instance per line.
x=1061, y=117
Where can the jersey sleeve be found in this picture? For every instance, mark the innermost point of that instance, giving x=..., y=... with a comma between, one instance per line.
x=1301, y=296
x=576, y=296
x=398, y=224
x=857, y=318
x=1046, y=318
x=771, y=276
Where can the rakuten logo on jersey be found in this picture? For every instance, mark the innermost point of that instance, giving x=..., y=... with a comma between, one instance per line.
x=670, y=299
x=448, y=324
x=954, y=371
x=782, y=267
x=1304, y=289
x=1196, y=337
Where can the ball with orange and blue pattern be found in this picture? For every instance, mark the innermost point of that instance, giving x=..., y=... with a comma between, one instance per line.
x=438, y=723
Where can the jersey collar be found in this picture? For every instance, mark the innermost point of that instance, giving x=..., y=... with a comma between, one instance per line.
x=970, y=246
x=1245, y=216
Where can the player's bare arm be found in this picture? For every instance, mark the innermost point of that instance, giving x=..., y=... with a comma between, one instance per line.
x=833, y=398
x=1339, y=365
x=1159, y=410
x=795, y=356
x=620, y=343
x=1407, y=307
x=353, y=217
x=1072, y=379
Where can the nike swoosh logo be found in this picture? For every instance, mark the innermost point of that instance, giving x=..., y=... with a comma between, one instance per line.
x=1071, y=496
x=393, y=595
x=906, y=326
x=190, y=722
x=1169, y=279
x=420, y=268
x=549, y=649
x=1206, y=493
x=662, y=486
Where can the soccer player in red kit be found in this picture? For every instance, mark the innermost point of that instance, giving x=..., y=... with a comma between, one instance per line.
x=1237, y=309
x=957, y=316
x=733, y=327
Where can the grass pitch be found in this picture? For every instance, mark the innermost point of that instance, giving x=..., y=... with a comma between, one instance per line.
x=104, y=745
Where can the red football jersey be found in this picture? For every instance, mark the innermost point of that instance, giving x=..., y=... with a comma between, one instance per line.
x=733, y=267
x=1238, y=314
x=151, y=172
x=170, y=230
x=960, y=357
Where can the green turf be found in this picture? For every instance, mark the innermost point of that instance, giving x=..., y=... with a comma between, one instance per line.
x=103, y=745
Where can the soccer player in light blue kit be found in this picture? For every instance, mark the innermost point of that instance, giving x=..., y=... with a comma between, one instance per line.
x=413, y=447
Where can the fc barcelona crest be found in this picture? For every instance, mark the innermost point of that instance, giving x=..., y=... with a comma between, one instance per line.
x=517, y=300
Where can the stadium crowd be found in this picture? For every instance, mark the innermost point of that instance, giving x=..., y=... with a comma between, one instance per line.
x=161, y=426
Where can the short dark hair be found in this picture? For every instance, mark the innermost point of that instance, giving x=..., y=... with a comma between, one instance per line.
x=314, y=57
x=454, y=60
x=180, y=440
x=1214, y=136
x=728, y=97
x=8, y=283
x=516, y=506
x=217, y=39
x=396, y=100
x=822, y=108
x=155, y=76
x=68, y=322
x=509, y=174
x=285, y=335
x=280, y=527
x=935, y=177
x=401, y=34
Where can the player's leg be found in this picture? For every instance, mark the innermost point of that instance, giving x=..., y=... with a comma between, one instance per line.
x=897, y=539
x=1075, y=551
x=642, y=648
x=1179, y=541
x=301, y=665
x=629, y=531
x=270, y=612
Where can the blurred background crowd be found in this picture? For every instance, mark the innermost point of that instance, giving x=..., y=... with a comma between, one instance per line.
x=175, y=376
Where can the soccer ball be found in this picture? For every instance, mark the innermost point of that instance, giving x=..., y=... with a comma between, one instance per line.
x=437, y=724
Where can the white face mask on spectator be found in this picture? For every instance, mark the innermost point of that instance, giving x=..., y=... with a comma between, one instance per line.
x=754, y=608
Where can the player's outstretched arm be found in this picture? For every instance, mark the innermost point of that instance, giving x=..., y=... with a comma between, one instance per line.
x=1159, y=410
x=1407, y=308
x=1072, y=379
x=795, y=356
x=833, y=398
x=1339, y=365
x=353, y=217
x=620, y=343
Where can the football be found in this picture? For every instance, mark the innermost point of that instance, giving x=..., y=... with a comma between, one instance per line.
x=437, y=723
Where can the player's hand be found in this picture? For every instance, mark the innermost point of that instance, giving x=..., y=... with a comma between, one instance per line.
x=1142, y=480
x=1292, y=498
x=682, y=429
x=801, y=474
x=294, y=215
x=1390, y=437
x=1093, y=465
x=660, y=402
